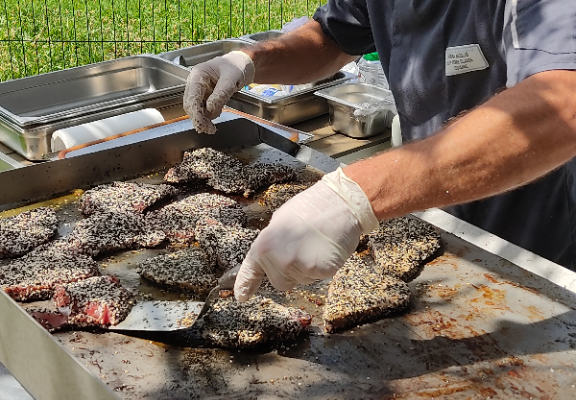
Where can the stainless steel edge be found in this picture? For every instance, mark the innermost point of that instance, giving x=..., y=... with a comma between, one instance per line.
x=32, y=355
x=495, y=245
x=7, y=163
x=73, y=76
x=198, y=53
x=42, y=181
x=45, y=180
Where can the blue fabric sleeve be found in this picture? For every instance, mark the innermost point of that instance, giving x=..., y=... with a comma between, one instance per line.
x=539, y=35
x=346, y=22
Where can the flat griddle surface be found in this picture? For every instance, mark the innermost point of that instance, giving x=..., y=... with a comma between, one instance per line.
x=472, y=332
x=479, y=327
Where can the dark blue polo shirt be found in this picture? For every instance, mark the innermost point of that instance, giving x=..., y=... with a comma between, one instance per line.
x=443, y=57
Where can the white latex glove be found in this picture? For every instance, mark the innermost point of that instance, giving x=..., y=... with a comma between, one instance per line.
x=211, y=84
x=309, y=237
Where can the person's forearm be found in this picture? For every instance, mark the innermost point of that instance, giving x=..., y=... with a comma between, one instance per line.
x=514, y=138
x=301, y=56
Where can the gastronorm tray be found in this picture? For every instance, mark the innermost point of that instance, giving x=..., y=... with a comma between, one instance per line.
x=290, y=109
x=483, y=323
x=287, y=110
x=32, y=108
x=345, y=100
x=192, y=55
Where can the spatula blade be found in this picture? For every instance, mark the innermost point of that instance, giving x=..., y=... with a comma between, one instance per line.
x=160, y=316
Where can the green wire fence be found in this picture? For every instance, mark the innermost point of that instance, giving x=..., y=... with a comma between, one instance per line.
x=38, y=36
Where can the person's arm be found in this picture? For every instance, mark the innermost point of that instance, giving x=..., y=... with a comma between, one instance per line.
x=301, y=56
x=516, y=137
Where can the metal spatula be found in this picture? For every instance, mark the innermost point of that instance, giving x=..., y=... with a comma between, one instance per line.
x=167, y=316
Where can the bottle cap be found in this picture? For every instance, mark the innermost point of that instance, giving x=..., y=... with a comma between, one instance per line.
x=371, y=57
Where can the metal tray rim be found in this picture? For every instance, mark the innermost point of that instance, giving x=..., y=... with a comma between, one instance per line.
x=105, y=105
x=325, y=93
x=167, y=54
x=292, y=98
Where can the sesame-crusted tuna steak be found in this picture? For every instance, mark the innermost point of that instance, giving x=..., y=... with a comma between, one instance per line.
x=228, y=245
x=187, y=270
x=35, y=275
x=178, y=220
x=358, y=294
x=226, y=173
x=23, y=232
x=124, y=196
x=400, y=245
x=107, y=232
x=201, y=165
x=97, y=302
x=257, y=322
x=279, y=193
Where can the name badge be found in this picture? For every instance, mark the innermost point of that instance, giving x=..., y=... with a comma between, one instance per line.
x=462, y=59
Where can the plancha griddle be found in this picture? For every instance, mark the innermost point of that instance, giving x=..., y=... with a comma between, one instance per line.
x=488, y=319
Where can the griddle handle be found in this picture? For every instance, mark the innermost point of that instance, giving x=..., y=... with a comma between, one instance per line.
x=227, y=280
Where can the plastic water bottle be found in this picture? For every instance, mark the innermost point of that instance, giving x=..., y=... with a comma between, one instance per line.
x=370, y=71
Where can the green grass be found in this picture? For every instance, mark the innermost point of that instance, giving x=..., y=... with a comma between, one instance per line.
x=38, y=36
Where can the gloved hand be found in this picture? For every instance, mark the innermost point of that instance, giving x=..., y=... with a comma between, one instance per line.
x=211, y=84
x=309, y=237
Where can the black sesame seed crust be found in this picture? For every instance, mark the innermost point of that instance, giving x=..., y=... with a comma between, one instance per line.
x=108, y=232
x=227, y=244
x=124, y=196
x=400, y=245
x=178, y=220
x=279, y=193
x=35, y=275
x=187, y=270
x=263, y=175
x=202, y=164
x=259, y=321
x=21, y=233
x=226, y=173
x=105, y=293
x=358, y=294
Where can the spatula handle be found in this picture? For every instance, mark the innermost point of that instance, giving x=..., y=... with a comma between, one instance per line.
x=227, y=280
